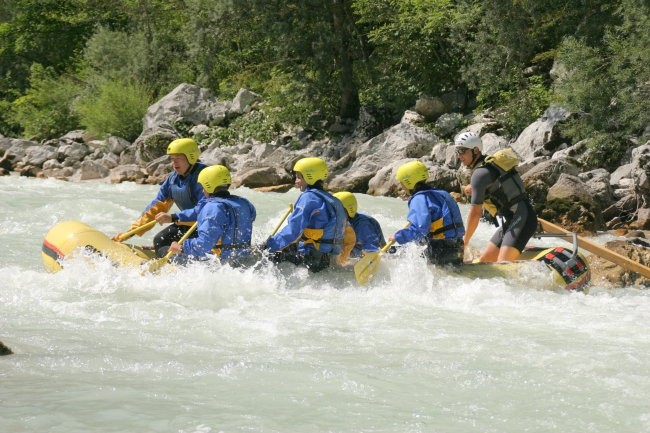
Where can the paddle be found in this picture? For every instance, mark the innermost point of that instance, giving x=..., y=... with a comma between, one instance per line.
x=366, y=267
x=124, y=236
x=284, y=217
x=599, y=250
x=155, y=265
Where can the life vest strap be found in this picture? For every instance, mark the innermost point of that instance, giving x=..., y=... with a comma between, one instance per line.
x=456, y=225
x=232, y=246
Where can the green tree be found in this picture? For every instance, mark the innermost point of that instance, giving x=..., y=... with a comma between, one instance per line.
x=46, y=108
x=608, y=84
x=408, y=51
x=116, y=107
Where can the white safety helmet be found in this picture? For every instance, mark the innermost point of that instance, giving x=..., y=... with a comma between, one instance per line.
x=468, y=140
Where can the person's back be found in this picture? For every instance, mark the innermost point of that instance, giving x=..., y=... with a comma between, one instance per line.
x=233, y=232
x=315, y=229
x=434, y=217
x=225, y=221
x=370, y=237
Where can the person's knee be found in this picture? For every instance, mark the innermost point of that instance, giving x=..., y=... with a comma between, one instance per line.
x=490, y=253
x=507, y=253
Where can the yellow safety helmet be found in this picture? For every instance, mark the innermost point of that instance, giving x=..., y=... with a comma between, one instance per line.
x=213, y=177
x=312, y=169
x=349, y=202
x=187, y=147
x=411, y=173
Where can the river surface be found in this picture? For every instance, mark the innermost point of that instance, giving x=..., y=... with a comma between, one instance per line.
x=199, y=349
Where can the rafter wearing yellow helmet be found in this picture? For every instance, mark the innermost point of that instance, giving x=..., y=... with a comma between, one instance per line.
x=368, y=233
x=434, y=217
x=181, y=188
x=315, y=229
x=225, y=221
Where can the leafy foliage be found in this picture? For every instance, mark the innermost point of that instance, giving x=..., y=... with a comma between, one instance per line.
x=115, y=108
x=46, y=108
x=306, y=56
x=523, y=105
x=609, y=84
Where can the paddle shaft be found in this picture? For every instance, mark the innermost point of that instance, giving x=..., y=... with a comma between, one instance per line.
x=135, y=231
x=161, y=262
x=183, y=239
x=599, y=250
x=284, y=217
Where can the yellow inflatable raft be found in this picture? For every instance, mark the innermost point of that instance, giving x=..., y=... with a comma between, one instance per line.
x=68, y=238
x=568, y=270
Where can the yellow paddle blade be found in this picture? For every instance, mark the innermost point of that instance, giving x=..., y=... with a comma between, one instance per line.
x=366, y=267
x=155, y=265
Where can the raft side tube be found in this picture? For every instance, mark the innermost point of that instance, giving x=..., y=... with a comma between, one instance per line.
x=68, y=238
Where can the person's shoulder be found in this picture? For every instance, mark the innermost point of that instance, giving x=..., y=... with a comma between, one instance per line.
x=482, y=172
x=241, y=199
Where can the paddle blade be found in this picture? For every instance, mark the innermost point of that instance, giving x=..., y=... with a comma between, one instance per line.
x=366, y=267
x=156, y=265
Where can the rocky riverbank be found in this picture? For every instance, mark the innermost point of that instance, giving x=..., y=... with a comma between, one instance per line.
x=562, y=185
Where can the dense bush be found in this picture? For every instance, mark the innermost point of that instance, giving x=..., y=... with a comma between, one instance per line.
x=309, y=55
x=608, y=85
x=114, y=108
x=46, y=108
x=523, y=106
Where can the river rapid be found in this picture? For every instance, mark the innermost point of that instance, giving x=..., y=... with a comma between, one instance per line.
x=274, y=349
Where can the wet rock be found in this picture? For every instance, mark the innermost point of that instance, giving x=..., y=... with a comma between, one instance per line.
x=608, y=274
x=4, y=350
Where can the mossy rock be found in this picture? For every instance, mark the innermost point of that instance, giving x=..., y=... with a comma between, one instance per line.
x=154, y=146
x=572, y=215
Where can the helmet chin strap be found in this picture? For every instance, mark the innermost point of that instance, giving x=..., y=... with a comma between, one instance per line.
x=475, y=158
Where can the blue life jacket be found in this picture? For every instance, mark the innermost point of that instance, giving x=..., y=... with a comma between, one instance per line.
x=334, y=229
x=184, y=189
x=236, y=237
x=369, y=234
x=446, y=220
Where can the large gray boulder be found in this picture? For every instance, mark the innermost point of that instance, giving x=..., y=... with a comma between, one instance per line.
x=402, y=141
x=188, y=104
x=541, y=137
x=570, y=188
x=540, y=178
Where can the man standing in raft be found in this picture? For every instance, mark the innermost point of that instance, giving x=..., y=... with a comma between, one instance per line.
x=434, y=217
x=496, y=186
x=181, y=188
x=315, y=229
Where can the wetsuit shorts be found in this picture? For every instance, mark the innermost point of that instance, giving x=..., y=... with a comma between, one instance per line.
x=518, y=228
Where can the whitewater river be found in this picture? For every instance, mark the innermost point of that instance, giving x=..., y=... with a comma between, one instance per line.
x=103, y=349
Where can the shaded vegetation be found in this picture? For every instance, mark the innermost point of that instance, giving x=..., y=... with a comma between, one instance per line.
x=67, y=64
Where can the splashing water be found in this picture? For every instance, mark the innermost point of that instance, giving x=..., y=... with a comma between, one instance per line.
x=275, y=349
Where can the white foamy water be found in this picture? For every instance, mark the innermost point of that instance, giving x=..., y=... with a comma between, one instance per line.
x=102, y=349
